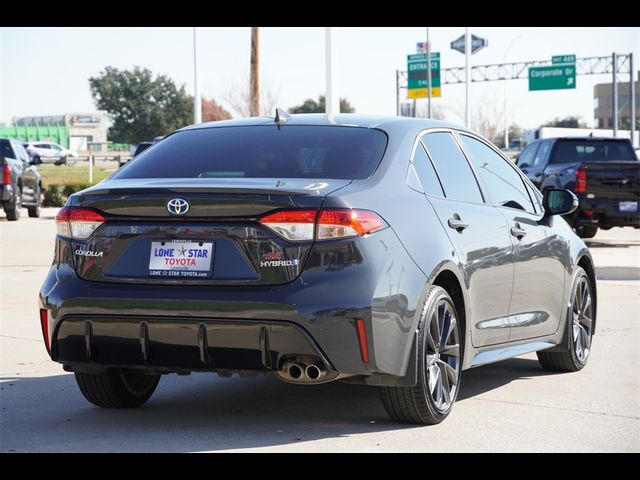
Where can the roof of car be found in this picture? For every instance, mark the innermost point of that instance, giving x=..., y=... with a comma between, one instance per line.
x=343, y=119
x=585, y=139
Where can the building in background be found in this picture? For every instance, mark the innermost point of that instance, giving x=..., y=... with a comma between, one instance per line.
x=603, y=108
x=72, y=130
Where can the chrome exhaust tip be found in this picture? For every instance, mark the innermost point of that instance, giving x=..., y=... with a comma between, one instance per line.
x=295, y=370
x=314, y=373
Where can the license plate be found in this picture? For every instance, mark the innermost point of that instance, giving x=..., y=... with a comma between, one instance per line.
x=180, y=259
x=628, y=206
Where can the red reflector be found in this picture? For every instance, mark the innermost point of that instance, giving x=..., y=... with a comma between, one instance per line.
x=44, y=323
x=588, y=213
x=581, y=180
x=362, y=339
x=6, y=174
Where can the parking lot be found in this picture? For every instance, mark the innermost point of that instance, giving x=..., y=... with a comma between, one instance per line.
x=509, y=406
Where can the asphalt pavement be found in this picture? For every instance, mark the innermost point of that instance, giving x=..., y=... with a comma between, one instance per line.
x=509, y=406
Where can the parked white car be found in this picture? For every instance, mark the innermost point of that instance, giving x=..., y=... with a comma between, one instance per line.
x=50, y=152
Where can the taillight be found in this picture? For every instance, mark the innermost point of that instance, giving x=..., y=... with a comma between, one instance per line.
x=44, y=323
x=581, y=180
x=305, y=225
x=295, y=225
x=347, y=223
x=6, y=174
x=78, y=223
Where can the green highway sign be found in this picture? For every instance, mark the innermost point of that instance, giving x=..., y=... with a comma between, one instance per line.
x=553, y=77
x=561, y=59
x=417, y=75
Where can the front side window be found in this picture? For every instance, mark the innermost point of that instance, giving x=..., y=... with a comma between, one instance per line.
x=503, y=183
x=293, y=151
x=458, y=180
x=526, y=157
x=541, y=154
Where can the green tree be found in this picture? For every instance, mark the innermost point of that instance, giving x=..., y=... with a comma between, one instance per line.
x=140, y=106
x=311, y=106
x=567, y=122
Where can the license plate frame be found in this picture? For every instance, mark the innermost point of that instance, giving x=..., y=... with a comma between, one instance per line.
x=628, y=206
x=181, y=259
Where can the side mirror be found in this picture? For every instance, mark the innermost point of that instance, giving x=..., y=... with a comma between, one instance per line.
x=523, y=165
x=559, y=201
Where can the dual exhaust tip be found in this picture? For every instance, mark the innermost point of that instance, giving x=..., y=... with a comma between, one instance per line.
x=300, y=372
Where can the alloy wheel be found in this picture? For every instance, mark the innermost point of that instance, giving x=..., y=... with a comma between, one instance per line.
x=443, y=356
x=582, y=315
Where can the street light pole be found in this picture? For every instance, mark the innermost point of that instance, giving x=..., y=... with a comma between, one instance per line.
x=428, y=75
x=197, y=104
x=467, y=84
x=506, y=115
x=331, y=102
x=614, y=61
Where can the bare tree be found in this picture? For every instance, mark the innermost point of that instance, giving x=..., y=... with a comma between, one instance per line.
x=438, y=111
x=487, y=116
x=238, y=98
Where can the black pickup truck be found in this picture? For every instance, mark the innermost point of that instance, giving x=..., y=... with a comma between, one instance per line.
x=21, y=184
x=604, y=173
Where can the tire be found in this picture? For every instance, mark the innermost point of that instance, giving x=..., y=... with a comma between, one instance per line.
x=14, y=208
x=117, y=388
x=587, y=231
x=574, y=354
x=438, y=360
x=34, y=212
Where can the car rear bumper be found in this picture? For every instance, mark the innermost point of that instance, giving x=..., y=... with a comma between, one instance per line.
x=109, y=324
x=606, y=213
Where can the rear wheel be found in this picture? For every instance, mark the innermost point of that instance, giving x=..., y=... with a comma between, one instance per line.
x=579, y=330
x=431, y=400
x=14, y=208
x=35, y=210
x=586, y=231
x=117, y=388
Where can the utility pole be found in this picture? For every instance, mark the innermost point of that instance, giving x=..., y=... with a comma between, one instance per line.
x=428, y=75
x=467, y=84
x=197, y=102
x=614, y=60
x=331, y=101
x=254, y=85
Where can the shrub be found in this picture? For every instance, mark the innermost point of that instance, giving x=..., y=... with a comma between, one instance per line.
x=56, y=195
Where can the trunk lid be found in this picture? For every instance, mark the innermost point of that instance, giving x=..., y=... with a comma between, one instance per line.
x=218, y=241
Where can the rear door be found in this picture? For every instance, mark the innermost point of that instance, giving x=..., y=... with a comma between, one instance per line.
x=540, y=255
x=479, y=234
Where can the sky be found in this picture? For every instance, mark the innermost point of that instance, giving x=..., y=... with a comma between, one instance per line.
x=45, y=71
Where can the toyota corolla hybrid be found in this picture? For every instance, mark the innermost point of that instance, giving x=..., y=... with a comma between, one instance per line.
x=392, y=252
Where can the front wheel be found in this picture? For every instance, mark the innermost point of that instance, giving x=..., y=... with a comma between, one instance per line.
x=117, y=388
x=439, y=356
x=579, y=329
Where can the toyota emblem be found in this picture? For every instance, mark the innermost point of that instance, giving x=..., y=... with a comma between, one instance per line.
x=177, y=206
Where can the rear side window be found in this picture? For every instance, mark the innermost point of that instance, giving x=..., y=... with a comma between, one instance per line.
x=541, y=154
x=526, y=157
x=5, y=149
x=572, y=151
x=456, y=175
x=294, y=151
x=425, y=172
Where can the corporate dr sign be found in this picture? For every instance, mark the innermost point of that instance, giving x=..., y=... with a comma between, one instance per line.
x=180, y=259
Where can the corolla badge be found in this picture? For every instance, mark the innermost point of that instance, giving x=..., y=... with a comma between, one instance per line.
x=177, y=206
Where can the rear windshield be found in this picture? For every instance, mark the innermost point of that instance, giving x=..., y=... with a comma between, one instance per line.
x=293, y=151
x=569, y=151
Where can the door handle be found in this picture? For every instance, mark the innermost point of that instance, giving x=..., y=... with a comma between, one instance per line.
x=518, y=232
x=457, y=224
